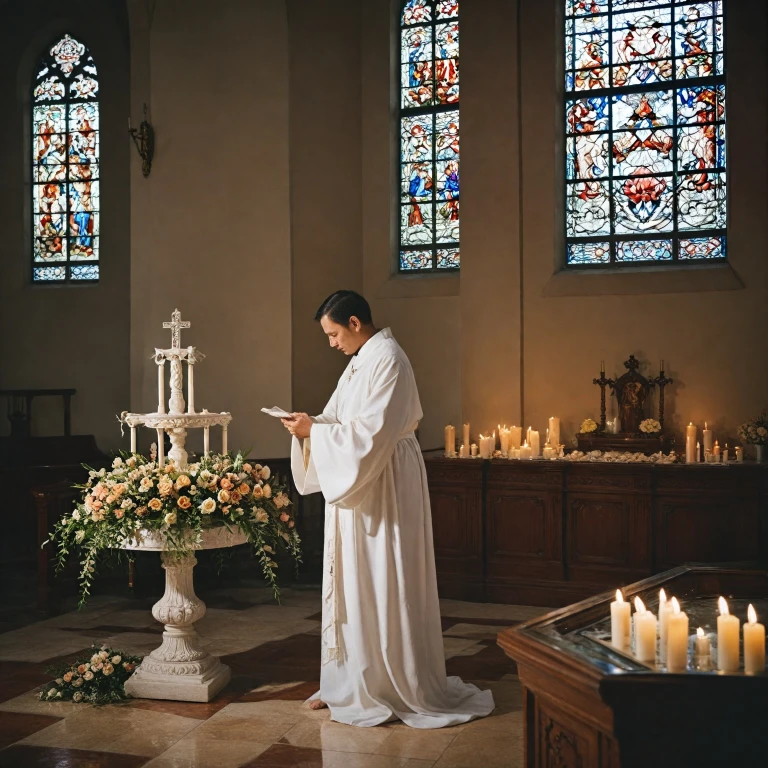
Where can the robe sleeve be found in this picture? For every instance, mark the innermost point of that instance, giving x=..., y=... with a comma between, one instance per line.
x=304, y=474
x=348, y=458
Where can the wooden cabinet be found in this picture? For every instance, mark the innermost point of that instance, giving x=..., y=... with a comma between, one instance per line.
x=549, y=533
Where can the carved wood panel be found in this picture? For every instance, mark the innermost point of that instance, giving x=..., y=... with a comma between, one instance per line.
x=562, y=741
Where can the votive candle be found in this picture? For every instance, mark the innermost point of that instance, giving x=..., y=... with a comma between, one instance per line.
x=701, y=645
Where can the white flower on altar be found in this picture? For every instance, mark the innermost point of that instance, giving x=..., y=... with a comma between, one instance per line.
x=118, y=462
x=282, y=500
x=588, y=425
x=75, y=515
x=261, y=515
x=266, y=473
x=127, y=504
x=88, y=675
x=170, y=518
x=108, y=669
x=650, y=426
x=192, y=490
x=208, y=506
x=79, y=536
x=146, y=484
x=116, y=659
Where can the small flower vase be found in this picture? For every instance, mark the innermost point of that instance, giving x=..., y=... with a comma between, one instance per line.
x=760, y=454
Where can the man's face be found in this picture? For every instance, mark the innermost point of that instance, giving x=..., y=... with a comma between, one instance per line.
x=345, y=338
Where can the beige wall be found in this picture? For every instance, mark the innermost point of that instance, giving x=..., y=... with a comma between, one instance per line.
x=211, y=224
x=66, y=335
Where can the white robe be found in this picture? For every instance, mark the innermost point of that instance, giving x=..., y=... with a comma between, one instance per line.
x=382, y=642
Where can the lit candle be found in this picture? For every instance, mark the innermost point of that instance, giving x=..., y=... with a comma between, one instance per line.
x=450, y=440
x=554, y=430
x=548, y=452
x=224, y=438
x=473, y=449
x=725, y=454
x=690, y=443
x=677, y=639
x=707, y=438
x=645, y=632
x=462, y=451
x=698, y=452
x=739, y=453
x=701, y=645
x=534, y=443
x=465, y=434
x=716, y=452
x=665, y=608
x=133, y=439
x=754, y=643
x=727, y=639
x=504, y=435
x=620, y=621
x=525, y=451
x=517, y=436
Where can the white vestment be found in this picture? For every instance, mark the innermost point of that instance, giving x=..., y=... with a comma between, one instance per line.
x=382, y=641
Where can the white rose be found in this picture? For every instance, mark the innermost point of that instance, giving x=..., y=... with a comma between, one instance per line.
x=170, y=518
x=59, y=680
x=88, y=675
x=208, y=506
x=75, y=515
x=108, y=669
x=118, y=462
x=266, y=473
x=77, y=683
x=131, y=462
x=116, y=659
x=95, y=659
x=127, y=504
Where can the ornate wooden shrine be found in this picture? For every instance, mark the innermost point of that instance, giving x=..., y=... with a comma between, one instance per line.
x=587, y=705
x=551, y=532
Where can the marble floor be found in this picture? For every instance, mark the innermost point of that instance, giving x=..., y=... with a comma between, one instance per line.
x=260, y=720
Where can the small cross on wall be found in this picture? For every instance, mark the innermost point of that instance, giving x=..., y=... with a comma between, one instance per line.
x=176, y=325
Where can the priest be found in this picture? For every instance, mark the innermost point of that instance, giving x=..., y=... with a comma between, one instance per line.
x=382, y=642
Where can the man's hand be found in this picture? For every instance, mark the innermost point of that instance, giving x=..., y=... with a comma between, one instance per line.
x=299, y=424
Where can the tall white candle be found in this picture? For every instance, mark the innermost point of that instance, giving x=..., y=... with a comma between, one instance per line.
x=133, y=439
x=161, y=387
x=190, y=388
x=690, y=443
x=677, y=639
x=206, y=440
x=160, y=447
x=727, y=639
x=716, y=452
x=450, y=440
x=754, y=643
x=224, y=438
x=533, y=442
x=465, y=435
x=554, y=430
x=665, y=608
x=517, y=436
x=645, y=632
x=739, y=453
x=725, y=454
x=707, y=435
x=620, y=621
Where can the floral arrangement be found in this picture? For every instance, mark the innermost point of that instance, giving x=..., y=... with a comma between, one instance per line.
x=755, y=431
x=96, y=678
x=588, y=425
x=650, y=426
x=137, y=495
x=622, y=457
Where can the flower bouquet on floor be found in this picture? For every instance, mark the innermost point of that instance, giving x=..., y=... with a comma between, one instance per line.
x=138, y=497
x=97, y=677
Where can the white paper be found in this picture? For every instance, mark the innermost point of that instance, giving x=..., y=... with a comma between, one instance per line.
x=277, y=412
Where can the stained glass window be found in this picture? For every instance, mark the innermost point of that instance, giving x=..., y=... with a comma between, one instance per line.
x=645, y=132
x=428, y=195
x=65, y=165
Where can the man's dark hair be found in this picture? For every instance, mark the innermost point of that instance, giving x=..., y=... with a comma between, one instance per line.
x=341, y=306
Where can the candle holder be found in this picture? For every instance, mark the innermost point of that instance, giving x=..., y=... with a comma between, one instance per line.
x=602, y=382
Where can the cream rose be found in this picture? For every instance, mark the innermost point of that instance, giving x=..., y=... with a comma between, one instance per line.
x=266, y=473
x=258, y=492
x=108, y=669
x=77, y=683
x=116, y=659
x=182, y=481
x=165, y=486
x=267, y=489
x=88, y=675
x=243, y=489
x=170, y=518
x=223, y=496
x=208, y=506
x=226, y=484
x=184, y=502
x=155, y=505
x=285, y=517
x=235, y=496
x=261, y=516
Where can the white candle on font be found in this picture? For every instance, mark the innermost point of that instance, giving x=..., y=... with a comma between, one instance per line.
x=727, y=639
x=725, y=454
x=620, y=621
x=465, y=435
x=206, y=440
x=554, y=430
x=161, y=387
x=645, y=632
x=677, y=639
x=690, y=443
x=739, y=453
x=224, y=438
x=701, y=646
x=707, y=433
x=160, y=447
x=533, y=442
x=450, y=440
x=754, y=643
x=133, y=439
x=665, y=608
x=190, y=387
x=517, y=436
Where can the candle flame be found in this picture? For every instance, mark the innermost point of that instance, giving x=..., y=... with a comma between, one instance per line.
x=751, y=615
x=690, y=424
x=639, y=607
x=675, y=605
x=662, y=597
x=723, y=606
x=619, y=596
x=699, y=632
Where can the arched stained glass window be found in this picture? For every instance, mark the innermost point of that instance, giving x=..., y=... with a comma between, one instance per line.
x=645, y=132
x=65, y=165
x=428, y=73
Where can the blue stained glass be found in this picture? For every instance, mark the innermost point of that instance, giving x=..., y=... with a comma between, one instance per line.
x=85, y=272
x=645, y=162
x=702, y=248
x=429, y=135
x=65, y=148
x=448, y=258
x=643, y=250
x=589, y=253
x=413, y=260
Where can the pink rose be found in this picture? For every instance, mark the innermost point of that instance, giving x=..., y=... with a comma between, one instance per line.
x=285, y=517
